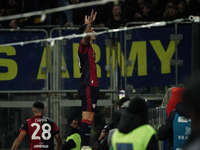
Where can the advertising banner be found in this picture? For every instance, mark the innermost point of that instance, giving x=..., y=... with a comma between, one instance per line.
x=151, y=53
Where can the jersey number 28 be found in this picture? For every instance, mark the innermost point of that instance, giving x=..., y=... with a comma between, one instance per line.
x=46, y=131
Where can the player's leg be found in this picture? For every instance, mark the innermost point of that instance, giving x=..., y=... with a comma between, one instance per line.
x=89, y=98
x=87, y=118
x=86, y=123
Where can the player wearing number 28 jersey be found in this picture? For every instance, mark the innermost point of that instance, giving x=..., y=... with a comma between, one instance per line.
x=41, y=131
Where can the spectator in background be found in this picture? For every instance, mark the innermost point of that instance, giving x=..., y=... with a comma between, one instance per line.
x=8, y=8
x=127, y=9
x=137, y=15
x=116, y=116
x=53, y=16
x=171, y=11
x=12, y=7
x=133, y=131
x=182, y=10
x=123, y=102
x=116, y=20
x=193, y=7
x=26, y=6
x=101, y=143
x=73, y=140
x=65, y=17
x=78, y=14
x=43, y=5
x=122, y=106
x=158, y=8
x=104, y=12
x=31, y=6
x=148, y=14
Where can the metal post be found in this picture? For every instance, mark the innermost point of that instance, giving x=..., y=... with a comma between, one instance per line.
x=120, y=60
x=59, y=62
x=54, y=67
x=116, y=61
x=50, y=64
x=176, y=55
x=47, y=68
x=115, y=83
x=111, y=65
x=125, y=60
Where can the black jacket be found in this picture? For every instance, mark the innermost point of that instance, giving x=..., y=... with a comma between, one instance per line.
x=130, y=122
x=166, y=130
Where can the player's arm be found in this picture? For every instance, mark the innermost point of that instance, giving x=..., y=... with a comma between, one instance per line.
x=88, y=20
x=18, y=140
x=59, y=142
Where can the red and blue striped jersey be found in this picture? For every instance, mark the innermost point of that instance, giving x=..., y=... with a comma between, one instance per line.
x=87, y=65
x=41, y=131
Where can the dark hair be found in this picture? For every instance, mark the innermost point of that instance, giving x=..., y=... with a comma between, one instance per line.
x=139, y=107
x=123, y=100
x=172, y=5
x=78, y=120
x=82, y=28
x=117, y=5
x=39, y=105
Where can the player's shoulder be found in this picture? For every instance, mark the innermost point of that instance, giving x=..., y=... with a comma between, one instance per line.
x=29, y=120
x=47, y=119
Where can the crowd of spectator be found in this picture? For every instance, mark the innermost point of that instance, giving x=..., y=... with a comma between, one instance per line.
x=109, y=15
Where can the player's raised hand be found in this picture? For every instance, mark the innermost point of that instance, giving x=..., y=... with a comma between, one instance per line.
x=91, y=18
x=87, y=19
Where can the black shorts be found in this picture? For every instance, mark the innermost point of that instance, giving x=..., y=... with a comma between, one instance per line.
x=89, y=96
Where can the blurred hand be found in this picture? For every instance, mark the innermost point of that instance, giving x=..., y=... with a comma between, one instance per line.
x=91, y=18
x=68, y=24
x=137, y=16
x=102, y=135
x=101, y=25
x=13, y=24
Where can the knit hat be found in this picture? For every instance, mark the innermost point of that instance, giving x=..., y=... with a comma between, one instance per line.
x=134, y=116
x=139, y=107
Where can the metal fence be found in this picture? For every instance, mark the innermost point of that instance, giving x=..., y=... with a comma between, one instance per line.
x=52, y=85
